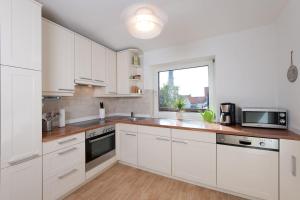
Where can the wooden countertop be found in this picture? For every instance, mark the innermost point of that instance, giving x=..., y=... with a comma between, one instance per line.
x=177, y=124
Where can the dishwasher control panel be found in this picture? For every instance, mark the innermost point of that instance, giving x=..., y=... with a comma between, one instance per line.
x=248, y=142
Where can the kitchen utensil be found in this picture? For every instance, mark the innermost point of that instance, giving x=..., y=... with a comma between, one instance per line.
x=292, y=73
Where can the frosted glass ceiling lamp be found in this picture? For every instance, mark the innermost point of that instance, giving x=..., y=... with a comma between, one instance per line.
x=145, y=23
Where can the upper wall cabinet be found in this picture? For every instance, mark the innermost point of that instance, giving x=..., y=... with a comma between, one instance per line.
x=111, y=72
x=58, y=60
x=129, y=72
x=21, y=33
x=83, y=60
x=98, y=64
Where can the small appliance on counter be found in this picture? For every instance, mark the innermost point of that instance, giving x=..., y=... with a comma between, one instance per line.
x=227, y=114
x=265, y=118
x=101, y=111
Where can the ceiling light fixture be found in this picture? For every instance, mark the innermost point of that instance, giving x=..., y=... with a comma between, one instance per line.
x=144, y=21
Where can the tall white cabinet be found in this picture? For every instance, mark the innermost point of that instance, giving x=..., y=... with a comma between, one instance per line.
x=21, y=33
x=21, y=138
x=289, y=170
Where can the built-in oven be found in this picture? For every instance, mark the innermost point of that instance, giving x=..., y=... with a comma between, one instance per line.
x=99, y=146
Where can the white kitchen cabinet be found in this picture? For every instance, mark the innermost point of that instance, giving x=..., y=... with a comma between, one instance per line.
x=21, y=33
x=58, y=60
x=98, y=64
x=22, y=181
x=128, y=147
x=63, y=166
x=248, y=171
x=83, y=60
x=289, y=170
x=154, y=150
x=21, y=112
x=193, y=159
x=111, y=71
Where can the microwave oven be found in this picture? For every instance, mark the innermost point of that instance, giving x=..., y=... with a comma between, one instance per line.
x=265, y=118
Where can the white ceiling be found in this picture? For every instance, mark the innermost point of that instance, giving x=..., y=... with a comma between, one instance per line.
x=188, y=20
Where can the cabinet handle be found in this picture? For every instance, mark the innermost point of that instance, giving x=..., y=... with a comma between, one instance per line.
x=294, y=166
x=68, y=173
x=67, y=151
x=162, y=139
x=179, y=141
x=98, y=80
x=22, y=160
x=69, y=90
x=130, y=134
x=85, y=78
x=67, y=141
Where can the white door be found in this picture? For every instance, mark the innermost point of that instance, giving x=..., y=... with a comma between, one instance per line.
x=289, y=170
x=111, y=71
x=83, y=58
x=58, y=59
x=248, y=171
x=194, y=161
x=154, y=153
x=98, y=64
x=21, y=127
x=128, y=147
x=21, y=33
x=22, y=181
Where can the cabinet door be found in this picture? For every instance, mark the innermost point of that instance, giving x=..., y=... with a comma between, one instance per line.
x=194, y=161
x=123, y=63
x=22, y=181
x=289, y=170
x=111, y=71
x=248, y=171
x=58, y=59
x=154, y=153
x=128, y=147
x=21, y=33
x=83, y=58
x=98, y=64
x=21, y=129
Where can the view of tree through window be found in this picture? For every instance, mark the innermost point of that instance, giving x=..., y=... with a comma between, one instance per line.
x=190, y=84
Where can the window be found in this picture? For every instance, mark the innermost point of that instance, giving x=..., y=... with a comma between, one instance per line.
x=189, y=84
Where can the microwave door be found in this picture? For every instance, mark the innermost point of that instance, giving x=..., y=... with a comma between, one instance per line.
x=260, y=119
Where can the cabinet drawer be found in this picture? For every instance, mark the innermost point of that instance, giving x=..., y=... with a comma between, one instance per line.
x=164, y=132
x=59, y=185
x=55, y=145
x=127, y=127
x=63, y=159
x=201, y=136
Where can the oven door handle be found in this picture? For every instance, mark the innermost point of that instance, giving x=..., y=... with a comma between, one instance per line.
x=101, y=138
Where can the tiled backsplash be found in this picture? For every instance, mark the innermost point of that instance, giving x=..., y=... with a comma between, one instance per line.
x=83, y=104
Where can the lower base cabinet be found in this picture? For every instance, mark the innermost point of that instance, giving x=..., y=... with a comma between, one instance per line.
x=23, y=181
x=63, y=166
x=194, y=161
x=128, y=147
x=62, y=183
x=289, y=170
x=154, y=153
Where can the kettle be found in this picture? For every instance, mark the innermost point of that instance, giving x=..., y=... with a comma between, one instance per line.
x=208, y=115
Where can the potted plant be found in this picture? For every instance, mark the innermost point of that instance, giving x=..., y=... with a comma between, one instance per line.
x=179, y=105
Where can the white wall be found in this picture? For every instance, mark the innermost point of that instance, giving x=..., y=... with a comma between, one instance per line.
x=288, y=26
x=245, y=70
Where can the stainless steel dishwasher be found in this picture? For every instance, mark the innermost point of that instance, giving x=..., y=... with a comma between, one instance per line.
x=248, y=165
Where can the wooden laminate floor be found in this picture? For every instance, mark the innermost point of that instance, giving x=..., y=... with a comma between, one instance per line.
x=126, y=183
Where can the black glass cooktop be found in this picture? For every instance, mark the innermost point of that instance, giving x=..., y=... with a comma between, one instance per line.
x=89, y=123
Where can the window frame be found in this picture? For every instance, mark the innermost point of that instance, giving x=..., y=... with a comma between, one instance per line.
x=208, y=61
